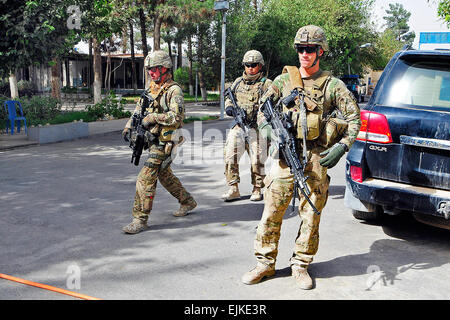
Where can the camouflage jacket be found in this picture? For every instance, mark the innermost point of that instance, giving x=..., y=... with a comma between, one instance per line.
x=332, y=95
x=168, y=108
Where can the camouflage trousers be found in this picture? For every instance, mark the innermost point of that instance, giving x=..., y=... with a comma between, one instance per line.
x=235, y=147
x=147, y=180
x=277, y=198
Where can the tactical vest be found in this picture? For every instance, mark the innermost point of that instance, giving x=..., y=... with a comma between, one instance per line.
x=160, y=105
x=322, y=127
x=247, y=97
x=313, y=99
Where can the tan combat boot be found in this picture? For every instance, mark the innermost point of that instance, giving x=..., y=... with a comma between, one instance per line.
x=185, y=208
x=232, y=194
x=136, y=226
x=256, y=194
x=302, y=278
x=257, y=274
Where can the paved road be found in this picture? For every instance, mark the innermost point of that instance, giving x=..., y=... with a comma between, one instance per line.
x=62, y=207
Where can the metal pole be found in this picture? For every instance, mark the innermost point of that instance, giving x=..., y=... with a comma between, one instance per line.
x=222, y=85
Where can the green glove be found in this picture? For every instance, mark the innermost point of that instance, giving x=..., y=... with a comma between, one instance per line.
x=332, y=155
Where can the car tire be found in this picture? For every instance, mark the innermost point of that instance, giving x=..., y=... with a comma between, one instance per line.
x=367, y=216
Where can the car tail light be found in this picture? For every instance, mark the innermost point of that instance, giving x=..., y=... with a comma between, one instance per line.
x=374, y=128
x=356, y=173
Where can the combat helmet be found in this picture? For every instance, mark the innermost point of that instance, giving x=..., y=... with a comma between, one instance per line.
x=311, y=35
x=158, y=58
x=253, y=56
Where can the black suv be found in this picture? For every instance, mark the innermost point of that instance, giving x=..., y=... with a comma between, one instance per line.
x=401, y=158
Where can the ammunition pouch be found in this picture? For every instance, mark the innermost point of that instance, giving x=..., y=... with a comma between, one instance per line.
x=170, y=150
x=332, y=132
x=313, y=120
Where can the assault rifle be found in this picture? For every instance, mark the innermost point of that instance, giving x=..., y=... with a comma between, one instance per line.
x=239, y=114
x=283, y=130
x=138, y=143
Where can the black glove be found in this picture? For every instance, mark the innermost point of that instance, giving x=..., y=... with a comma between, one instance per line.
x=126, y=134
x=229, y=111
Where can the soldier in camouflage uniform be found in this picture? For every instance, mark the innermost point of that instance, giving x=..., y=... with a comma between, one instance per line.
x=164, y=117
x=247, y=90
x=328, y=138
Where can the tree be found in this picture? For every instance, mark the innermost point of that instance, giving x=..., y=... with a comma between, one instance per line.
x=272, y=29
x=397, y=20
x=34, y=32
x=100, y=20
x=444, y=11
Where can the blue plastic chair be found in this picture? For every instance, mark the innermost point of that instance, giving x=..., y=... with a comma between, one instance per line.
x=10, y=108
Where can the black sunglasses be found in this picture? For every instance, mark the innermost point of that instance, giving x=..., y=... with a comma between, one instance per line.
x=153, y=69
x=301, y=49
x=251, y=65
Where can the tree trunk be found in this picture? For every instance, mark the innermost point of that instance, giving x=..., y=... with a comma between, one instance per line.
x=144, y=40
x=107, y=84
x=90, y=66
x=201, y=78
x=56, y=79
x=133, y=63
x=157, y=33
x=124, y=39
x=191, y=76
x=180, y=54
x=97, y=71
x=143, y=32
x=13, y=85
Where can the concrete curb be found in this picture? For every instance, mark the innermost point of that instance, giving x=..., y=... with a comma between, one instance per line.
x=58, y=132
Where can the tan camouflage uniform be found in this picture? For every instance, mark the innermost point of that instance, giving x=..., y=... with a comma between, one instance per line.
x=168, y=115
x=247, y=91
x=329, y=93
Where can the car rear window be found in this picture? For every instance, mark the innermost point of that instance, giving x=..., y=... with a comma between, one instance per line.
x=417, y=83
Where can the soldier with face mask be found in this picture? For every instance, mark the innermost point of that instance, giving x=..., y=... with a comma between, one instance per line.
x=329, y=120
x=165, y=115
x=247, y=90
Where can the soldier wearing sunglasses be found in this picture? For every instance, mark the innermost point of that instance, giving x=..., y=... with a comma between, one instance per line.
x=332, y=120
x=247, y=90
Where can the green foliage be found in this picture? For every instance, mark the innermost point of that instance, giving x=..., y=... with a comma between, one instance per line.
x=108, y=106
x=68, y=89
x=37, y=109
x=33, y=32
x=204, y=118
x=181, y=76
x=271, y=30
x=444, y=11
x=42, y=110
